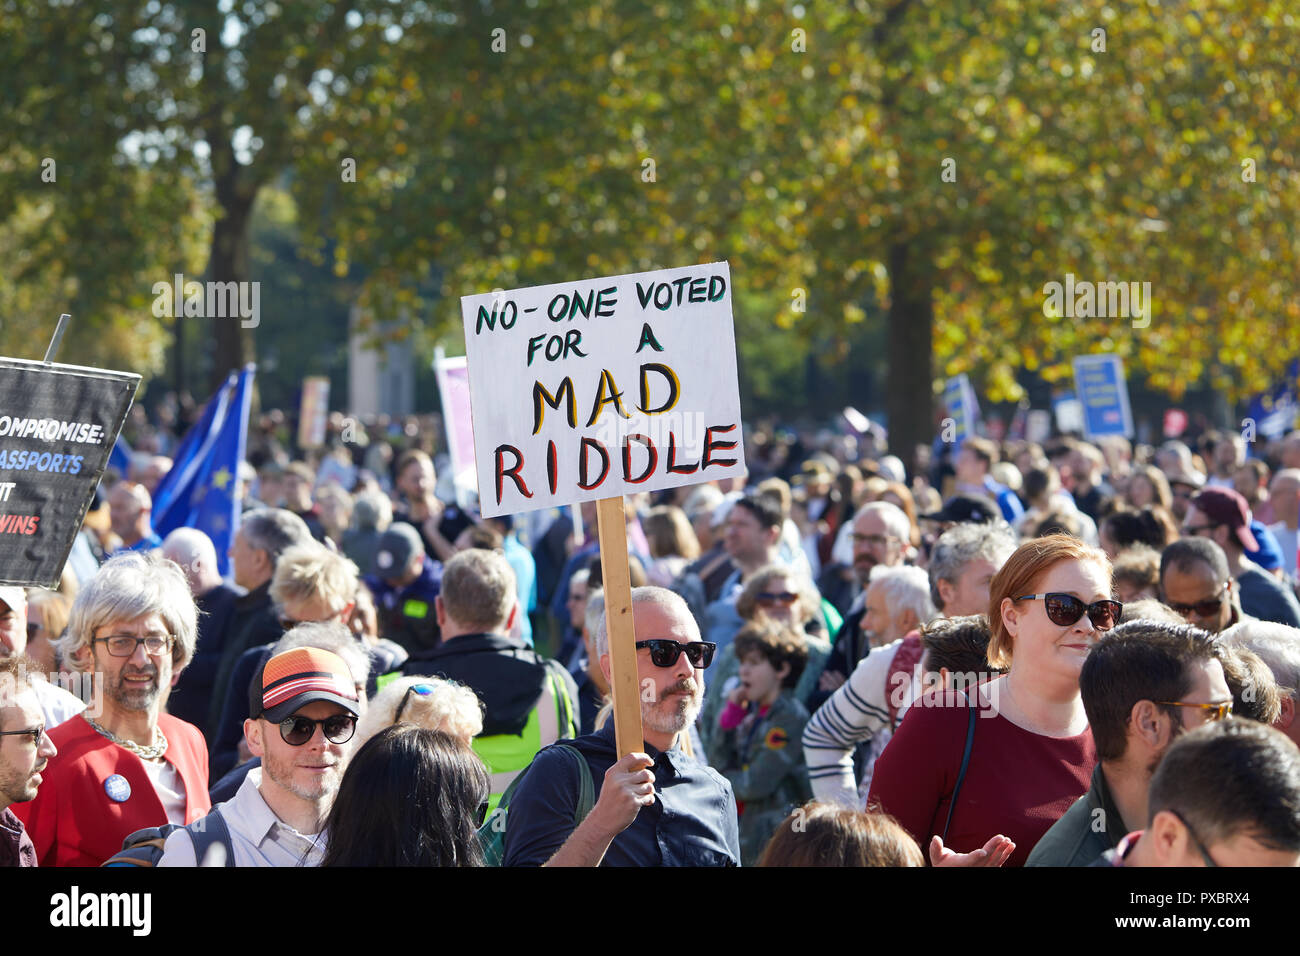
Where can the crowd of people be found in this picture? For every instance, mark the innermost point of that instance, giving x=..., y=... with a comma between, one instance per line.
x=1008, y=653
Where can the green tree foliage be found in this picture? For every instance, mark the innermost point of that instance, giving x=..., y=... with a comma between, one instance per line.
x=440, y=151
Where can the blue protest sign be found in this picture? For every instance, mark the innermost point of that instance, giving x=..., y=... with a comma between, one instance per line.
x=1103, y=393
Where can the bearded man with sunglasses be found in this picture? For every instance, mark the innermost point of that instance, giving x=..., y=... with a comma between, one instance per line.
x=303, y=710
x=659, y=807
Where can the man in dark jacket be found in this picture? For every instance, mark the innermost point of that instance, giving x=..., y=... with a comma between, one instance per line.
x=192, y=549
x=262, y=537
x=528, y=702
x=405, y=582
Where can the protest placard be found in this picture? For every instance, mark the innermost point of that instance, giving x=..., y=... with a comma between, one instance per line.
x=453, y=391
x=1103, y=393
x=313, y=411
x=58, y=424
x=959, y=400
x=593, y=389
x=602, y=387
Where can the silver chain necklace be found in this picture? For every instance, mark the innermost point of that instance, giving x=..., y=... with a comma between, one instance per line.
x=152, y=752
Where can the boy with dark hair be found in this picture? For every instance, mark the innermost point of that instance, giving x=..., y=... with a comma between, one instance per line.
x=757, y=745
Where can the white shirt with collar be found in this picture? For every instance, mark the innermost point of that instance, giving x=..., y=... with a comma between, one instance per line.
x=258, y=836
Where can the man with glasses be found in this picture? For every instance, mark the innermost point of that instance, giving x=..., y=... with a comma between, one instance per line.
x=125, y=765
x=658, y=807
x=57, y=705
x=25, y=749
x=1195, y=584
x=880, y=537
x=327, y=636
x=1144, y=685
x=303, y=710
x=1224, y=795
x=1222, y=515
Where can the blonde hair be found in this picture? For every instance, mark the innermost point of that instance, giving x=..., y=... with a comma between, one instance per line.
x=450, y=707
x=307, y=571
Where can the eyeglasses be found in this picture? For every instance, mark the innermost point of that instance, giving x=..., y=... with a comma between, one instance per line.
x=1204, y=608
x=288, y=623
x=33, y=630
x=1200, y=847
x=664, y=653
x=1066, y=609
x=424, y=690
x=36, y=733
x=297, y=730
x=1220, y=711
x=1192, y=531
x=874, y=540
x=124, y=645
x=773, y=598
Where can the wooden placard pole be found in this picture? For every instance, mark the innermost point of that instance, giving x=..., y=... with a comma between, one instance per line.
x=624, y=684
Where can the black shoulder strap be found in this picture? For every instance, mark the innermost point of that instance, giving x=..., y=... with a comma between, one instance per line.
x=212, y=831
x=961, y=774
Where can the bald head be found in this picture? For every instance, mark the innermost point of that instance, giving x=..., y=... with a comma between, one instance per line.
x=1284, y=493
x=194, y=552
x=129, y=505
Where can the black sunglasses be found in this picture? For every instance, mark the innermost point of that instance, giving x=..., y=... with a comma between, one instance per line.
x=296, y=731
x=1206, y=608
x=1066, y=609
x=664, y=653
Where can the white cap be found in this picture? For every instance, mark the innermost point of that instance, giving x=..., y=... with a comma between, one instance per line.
x=15, y=598
x=722, y=510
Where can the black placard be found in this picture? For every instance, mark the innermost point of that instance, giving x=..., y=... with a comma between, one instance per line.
x=49, y=469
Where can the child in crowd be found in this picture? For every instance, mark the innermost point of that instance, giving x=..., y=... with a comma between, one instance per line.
x=757, y=745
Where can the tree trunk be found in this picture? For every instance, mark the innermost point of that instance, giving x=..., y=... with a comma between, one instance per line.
x=229, y=262
x=909, y=399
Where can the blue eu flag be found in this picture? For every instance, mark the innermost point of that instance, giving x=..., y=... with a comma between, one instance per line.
x=119, y=459
x=199, y=491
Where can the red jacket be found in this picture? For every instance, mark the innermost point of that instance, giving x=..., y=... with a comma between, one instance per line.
x=74, y=822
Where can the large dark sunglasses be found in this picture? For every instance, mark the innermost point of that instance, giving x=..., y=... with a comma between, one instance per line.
x=773, y=598
x=664, y=653
x=1066, y=609
x=296, y=731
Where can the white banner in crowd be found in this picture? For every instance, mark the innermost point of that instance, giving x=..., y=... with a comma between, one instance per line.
x=603, y=387
x=453, y=389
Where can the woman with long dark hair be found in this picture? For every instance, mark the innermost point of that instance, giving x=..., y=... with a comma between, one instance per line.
x=410, y=797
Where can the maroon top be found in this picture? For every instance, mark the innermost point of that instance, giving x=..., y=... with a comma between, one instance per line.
x=1018, y=783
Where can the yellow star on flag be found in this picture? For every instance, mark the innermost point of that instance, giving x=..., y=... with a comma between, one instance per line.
x=221, y=478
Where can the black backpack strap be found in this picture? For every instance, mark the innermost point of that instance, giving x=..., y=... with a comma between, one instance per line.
x=961, y=774
x=208, y=832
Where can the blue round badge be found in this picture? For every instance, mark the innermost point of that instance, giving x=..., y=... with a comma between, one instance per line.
x=117, y=788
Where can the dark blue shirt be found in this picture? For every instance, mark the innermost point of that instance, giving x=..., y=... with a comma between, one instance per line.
x=691, y=823
x=1265, y=597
